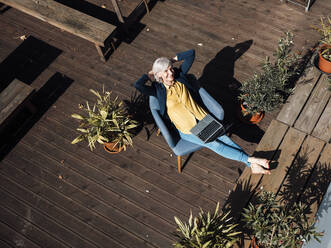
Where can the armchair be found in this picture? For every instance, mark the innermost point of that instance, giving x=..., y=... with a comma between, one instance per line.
x=179, y=146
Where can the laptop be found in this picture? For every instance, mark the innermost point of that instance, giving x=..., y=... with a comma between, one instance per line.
x=208, y=129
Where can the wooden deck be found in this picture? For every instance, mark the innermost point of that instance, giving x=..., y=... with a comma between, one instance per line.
x=54, y=194
x=298, y=144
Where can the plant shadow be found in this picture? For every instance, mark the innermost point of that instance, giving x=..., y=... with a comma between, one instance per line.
x=306, y=183
x=235, y=203
x=138, y=108
x=218, y=79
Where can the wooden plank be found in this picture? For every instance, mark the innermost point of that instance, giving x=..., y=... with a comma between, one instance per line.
x=74, y=215
x=65, y=18
x=61, y=12
x=322, y=129
x=101, y=194
x=14, y=238
x=101, y=215
x=301, y=169
x=248, y=182
x=314, y=107
x=12, y=97
x=287, y=152
x=295, y=103
x=3, y=244
x=318, y=182
x=25, y=228
x=67, y=228
x=33, y=222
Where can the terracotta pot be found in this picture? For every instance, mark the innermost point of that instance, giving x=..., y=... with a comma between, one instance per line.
x=249, y=118
x=254, y=243
x=112, y=148
x=323, y=64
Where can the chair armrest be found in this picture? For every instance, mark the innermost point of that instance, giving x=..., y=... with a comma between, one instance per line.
x=211, y=104
x=164, y=129
x=154, y=106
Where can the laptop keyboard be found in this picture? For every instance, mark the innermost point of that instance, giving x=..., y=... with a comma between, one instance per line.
x=208, y=130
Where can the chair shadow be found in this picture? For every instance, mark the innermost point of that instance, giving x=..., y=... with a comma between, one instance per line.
x=27, y=61
x=218, y=79
x=306, y=183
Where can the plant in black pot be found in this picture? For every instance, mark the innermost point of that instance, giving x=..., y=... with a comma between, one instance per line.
x=324, y=50
x=267, y=89
x=274, y=224
x=107, y=123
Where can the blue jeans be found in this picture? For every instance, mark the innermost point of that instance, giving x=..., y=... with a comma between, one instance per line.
x=223, y=146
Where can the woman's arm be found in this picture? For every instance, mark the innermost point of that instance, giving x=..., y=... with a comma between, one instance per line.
x=140, y=85
x=188, y=58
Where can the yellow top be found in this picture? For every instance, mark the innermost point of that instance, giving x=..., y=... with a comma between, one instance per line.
x=183, y=111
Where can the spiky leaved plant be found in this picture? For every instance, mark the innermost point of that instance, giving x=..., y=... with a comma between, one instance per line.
x=206, y=231
x=266, y=90
x=106, y=121
x=278, y=225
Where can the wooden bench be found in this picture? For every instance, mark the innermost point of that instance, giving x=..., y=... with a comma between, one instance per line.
x=16, y=95
x=68, y=19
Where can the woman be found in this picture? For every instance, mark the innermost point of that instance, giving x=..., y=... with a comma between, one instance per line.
x=170, y=87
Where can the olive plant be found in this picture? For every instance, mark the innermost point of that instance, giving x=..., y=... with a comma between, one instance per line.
x=267, y=89
x=275, y=224
x=325, y=31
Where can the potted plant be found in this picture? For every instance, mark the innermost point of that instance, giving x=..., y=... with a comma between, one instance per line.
x=274, y=224
x=107, y=123
x=324, y=50
x=207, y=231
x=267, y=89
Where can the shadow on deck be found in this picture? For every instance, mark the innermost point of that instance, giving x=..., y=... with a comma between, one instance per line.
x=56, y=194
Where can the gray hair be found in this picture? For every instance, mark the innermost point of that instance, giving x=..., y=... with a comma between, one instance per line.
x=160, y=65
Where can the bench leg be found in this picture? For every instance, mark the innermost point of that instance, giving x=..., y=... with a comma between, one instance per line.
x=100, y=52
x=146, y=5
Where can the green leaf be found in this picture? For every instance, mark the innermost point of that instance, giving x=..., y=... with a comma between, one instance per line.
x=103, y=114
x=82, y=130
x=78, y=139
x=77, y=116
x=206, y=244
x=96, y=93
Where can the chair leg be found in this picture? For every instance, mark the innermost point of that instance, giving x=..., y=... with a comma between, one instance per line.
x=179, y=164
